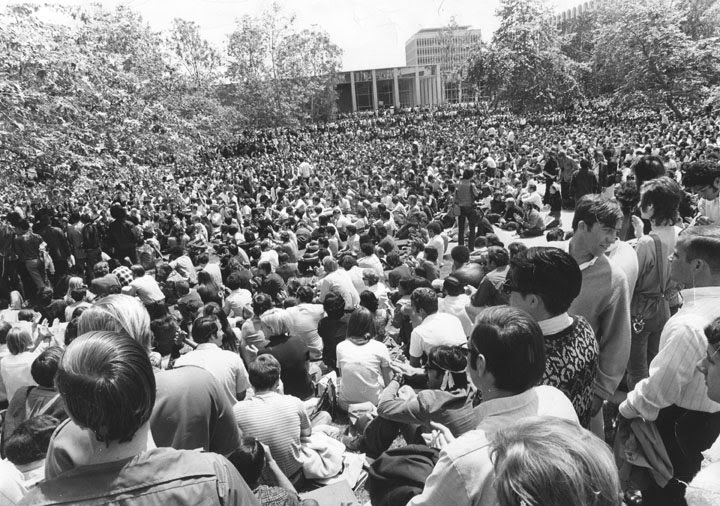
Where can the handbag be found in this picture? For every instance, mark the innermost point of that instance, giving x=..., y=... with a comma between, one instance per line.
x=649, y=304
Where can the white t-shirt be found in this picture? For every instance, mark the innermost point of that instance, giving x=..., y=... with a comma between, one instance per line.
x=227, y=367
x=305, y=318
x=438, y=329
x=361, y=370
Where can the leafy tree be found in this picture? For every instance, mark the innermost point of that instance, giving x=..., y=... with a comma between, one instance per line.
x=281, y=74
x=643, y=55
x=195, y=56
x=700, y=18
x=95, y=89
x=524, y=67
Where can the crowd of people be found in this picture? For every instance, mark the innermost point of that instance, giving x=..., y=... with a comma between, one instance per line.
x=336, y=303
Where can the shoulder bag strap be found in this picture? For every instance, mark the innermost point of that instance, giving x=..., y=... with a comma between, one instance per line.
x=659, y=263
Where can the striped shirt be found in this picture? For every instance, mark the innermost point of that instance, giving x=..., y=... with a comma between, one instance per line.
x=278, y=421
x=674, y=378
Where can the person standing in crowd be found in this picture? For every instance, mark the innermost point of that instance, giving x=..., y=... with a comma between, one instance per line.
x=674, y=395
x=56, y=243
x=604, y=299
x=121, y=237
x=465, y=196
x=27, y=246
x=650, y=308
x=544, y=282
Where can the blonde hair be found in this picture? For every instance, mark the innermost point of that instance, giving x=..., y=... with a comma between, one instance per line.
x=278, y=321
x=73, y=284
x=548, y=461
x=118, y=313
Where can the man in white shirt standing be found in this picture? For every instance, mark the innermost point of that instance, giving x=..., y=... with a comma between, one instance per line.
x=226, y=366
x=675, y=393
x=435, y=329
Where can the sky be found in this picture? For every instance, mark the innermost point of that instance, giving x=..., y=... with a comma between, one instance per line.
x=371, y=33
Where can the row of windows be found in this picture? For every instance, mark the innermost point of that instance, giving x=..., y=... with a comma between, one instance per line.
x=434, y=41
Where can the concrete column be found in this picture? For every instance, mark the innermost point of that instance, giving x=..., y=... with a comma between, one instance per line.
x=396, y=89
x=374, y=90
x=417, y=86
x=438, y=87
x=352, y=91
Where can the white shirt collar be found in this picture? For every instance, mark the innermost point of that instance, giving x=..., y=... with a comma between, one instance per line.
x=555, y=324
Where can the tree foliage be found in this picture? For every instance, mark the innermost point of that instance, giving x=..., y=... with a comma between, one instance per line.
x=85, y=88
x=279, y=73
x=95, y=88
x=524, y=67
x=642, y=54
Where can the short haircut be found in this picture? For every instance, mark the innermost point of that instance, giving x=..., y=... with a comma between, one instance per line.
x=138, y=270
x=553, y=462
x=513, y=346
x=647, y=168
x=108, y=385
x=264, y=372
x=30, y=440
x=460, y=254
x=516, y=247
x=498, y=255
x=434, y=227
x=261, y=302
x=591, y=209
x=205, y=328
x=265, y=266
x=45, y=366
x=702, y=242
x=550, y=273
x=119, y=313
x=712, y=332
x=18, y=340
x=453, y=286
x=701, y=173
x=450, y=359
x=305, y=293
x=334, y=305
x=278, y=321
x=361, y=324
x=234, y=280
x=425, y=299
x=664, y=194
x=367, y=248
x=348, y=262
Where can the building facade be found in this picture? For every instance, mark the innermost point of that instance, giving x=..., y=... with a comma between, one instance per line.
x=563, y=18
x=450, y=48
x=373, y=89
